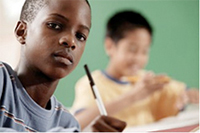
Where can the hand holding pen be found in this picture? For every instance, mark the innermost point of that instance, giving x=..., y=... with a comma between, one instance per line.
x=104, y=123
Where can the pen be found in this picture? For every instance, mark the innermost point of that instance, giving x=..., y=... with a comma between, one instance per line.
x=95, y=92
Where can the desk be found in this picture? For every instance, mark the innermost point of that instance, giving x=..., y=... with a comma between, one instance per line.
x=185, y=121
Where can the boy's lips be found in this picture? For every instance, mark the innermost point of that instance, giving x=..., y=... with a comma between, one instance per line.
x=63, y=57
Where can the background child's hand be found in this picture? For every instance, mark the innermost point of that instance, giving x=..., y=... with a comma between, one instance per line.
x=108, y=124
x=150, y=83
x=154, y=82
x=182, y=101
x=188, y=96
x=193, y=95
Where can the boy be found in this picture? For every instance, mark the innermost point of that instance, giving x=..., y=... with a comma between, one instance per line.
x=53, y=34
x=144, y=99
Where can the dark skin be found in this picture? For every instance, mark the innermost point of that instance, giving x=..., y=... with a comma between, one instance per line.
x=63, y=40
x=104, y=122
x=52, y=45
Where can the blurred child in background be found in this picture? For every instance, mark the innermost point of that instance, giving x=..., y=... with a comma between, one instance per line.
x=129, y=92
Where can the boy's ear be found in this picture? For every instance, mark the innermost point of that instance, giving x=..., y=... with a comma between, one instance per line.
x=109, y=46
x=21, y=31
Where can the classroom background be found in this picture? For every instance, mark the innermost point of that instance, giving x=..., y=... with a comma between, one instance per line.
x=174, y=50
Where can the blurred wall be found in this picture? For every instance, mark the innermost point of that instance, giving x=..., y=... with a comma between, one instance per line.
x=9, y=47
x=174, y=50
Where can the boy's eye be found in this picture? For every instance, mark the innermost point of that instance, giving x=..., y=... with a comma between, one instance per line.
x=81, y=36
x=54, y=26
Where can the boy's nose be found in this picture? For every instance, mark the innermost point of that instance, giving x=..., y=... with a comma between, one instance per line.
x=68, y=42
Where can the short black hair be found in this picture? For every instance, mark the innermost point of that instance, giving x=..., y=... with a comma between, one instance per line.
x=124, y=21
x=32, y=7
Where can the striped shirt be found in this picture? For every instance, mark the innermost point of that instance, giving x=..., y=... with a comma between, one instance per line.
x=18, y=111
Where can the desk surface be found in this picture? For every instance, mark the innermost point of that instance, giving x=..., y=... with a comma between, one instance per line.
x=181, y=129
x=184, y=122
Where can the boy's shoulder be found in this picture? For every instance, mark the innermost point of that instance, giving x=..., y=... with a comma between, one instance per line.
x=4, y=76
x=1, y=64
x=6, y=71
x=4, y=66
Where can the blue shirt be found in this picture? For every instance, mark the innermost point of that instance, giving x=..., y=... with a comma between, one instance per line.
x=18, y=111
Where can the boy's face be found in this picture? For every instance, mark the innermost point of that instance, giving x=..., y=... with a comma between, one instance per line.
x=56, y=38
x=130, y=54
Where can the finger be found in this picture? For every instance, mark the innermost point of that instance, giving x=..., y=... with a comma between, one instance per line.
x=94, y=129
x=102, y=126
x=162, y=79
x=148, y=76
x=150, y=73
x=115, y=123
